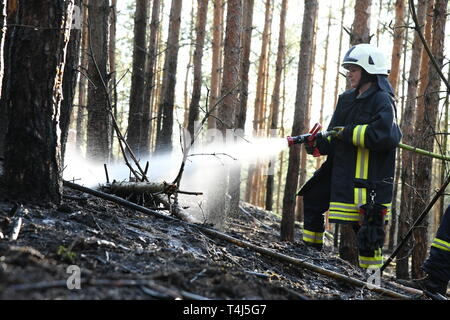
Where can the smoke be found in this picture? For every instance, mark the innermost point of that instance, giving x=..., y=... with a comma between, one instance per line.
x=203, y=172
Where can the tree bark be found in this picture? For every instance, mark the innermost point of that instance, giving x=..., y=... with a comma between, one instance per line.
x=135, y=115
x=425, y=128
x=341, y=33
x=82, y=83
x=241, y=113
x=3, y=29
x=70, y=78
x=165, y=124
x=399, y=34
x=198, y=55
x=99, y=122
x=33, y=166
x=301, y=102
x=405, y=218
x=230, y=103
x=275, y=104
x=112, y=69
x=147, y=123
x=216, y=66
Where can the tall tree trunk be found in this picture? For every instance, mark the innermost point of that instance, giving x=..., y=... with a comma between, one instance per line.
x=135, y=115
x=230, y=90
x=275, y=105
x=3, y=28
x=399, y=32
x=99, y=122
x=301, y=102
x=241, y=113
x=150, y=72
x=198, y=56
x=112, y=69
x=70, y=77
x=405, y=217
x=253, y=172
x=360, y=34
x=82, y=83
x=425, y=128
x=165, y=123
x=189, y=66
x=33, y=166
x=341, y=33
x=216, y=68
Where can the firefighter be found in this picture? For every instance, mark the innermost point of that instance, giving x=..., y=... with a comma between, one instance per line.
x=355, y=182
x=437, y=266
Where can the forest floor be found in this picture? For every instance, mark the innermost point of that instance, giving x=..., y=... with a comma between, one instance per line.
x=127, y=255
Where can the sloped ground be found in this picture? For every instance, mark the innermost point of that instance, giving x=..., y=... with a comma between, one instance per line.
x=123, y=254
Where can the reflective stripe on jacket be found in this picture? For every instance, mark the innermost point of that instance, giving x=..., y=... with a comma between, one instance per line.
x=364, y=158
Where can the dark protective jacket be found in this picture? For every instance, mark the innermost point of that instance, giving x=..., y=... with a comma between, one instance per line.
x=362, y=161
x=438, y=263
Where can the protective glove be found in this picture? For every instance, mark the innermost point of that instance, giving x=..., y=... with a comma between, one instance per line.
x=371, y=234
x=310, y=149
x=339, y=132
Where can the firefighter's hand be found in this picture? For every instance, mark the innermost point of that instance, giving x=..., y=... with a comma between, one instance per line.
x=339, y=132
x=310, y=149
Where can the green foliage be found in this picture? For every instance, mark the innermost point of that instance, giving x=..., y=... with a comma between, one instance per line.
x=66, y=255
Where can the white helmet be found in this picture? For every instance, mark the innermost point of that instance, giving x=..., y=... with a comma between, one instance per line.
x=368, y=57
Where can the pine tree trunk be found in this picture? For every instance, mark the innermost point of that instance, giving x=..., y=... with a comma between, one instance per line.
x=338, y=65
x=251, y=190
x=216, y=68
x=150, y=85
x=135, y=115
x=405, y=217
x=301, y=102
x=399, y=32
x=275, y=104
x=99, y=122
x=70, y=79
x=425, y=128
x=112, y=70
x=200, y=31
x=33, y=167
x=82, y=83
x=230, y=103
x=166, y=105
x=3, y=29
x=241, y=114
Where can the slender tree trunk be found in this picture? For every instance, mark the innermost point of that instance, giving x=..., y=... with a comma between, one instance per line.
x=167, y=103
x=251, y=190
x=33, y=166
x=3, y=28
x=230, y=103
x=399, y=32
x=425, y=128
x=360, y=34
x=188, y=67
x=112, y=70
x=341, y=33
x=82, y=84
x=70, y=77
x=241, y=114
x=99, y=122
x=405, y=217
x=198, y=56
x=135, y=115
x=275, y=105
x=216, y=68
x=301, y=102
x=150, y=77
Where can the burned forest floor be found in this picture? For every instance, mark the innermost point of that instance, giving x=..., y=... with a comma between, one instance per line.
x=127, y=255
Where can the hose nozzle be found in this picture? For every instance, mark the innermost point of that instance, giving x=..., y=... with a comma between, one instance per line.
x=297, y=139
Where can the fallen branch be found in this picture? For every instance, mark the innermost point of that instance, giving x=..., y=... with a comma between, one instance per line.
x=243, y=244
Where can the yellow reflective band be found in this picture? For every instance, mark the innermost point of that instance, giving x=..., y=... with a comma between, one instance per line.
x=370, y=262
x=358, y=135
x=362, y=163
x=312, y=237
x=441, y=244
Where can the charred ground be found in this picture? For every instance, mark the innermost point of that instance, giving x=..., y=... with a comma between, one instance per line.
x=124, y=254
